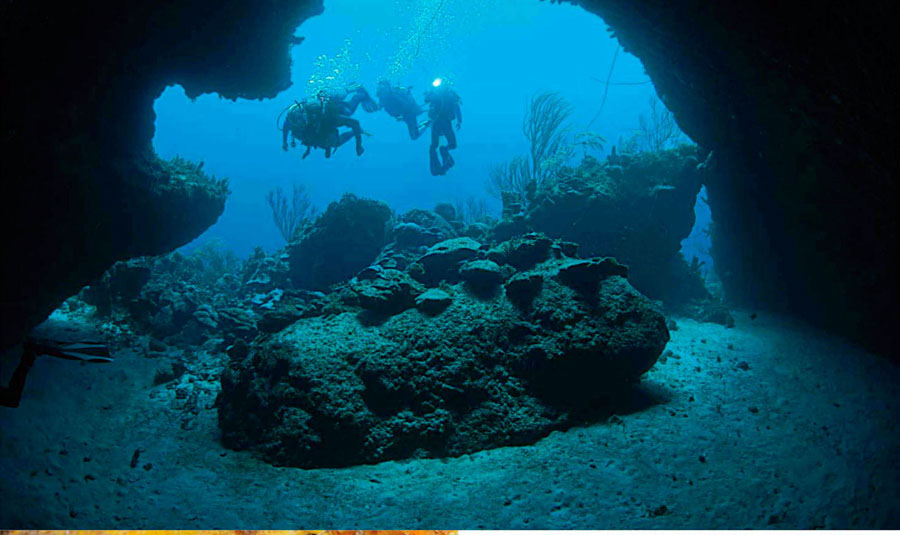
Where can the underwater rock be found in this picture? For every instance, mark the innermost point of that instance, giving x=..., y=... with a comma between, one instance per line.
x=237, y=323
x=263, y=273
x=160, y=206
x=433, y=301
x=412, y=235
x=522, y=288
x=184, y=299
x=337, y=391
x=507, y=229
x=122, y=282
x=446, y=210
x=395, y=257
x=435, y=226
x=441, y=261
x=483, y=274
x=207, y=316
x=418, y=230
x=238, y=350
x=156, y=346
x=268, y=301
x=477, y=231
x=126, y=279
x=343, y=240
x=102, y=193
x=585, y=275
x=168, y=372
x=273, y=321
x=781, y=195
x=390, y=292
x=175, y=310
x=522, y=252
x=637, y=210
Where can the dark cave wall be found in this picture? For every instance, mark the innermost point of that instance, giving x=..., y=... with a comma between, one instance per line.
x=796, y=102
x=82, y=186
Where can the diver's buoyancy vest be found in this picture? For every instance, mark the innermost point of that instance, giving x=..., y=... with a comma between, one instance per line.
x=296, y=120
x=398, y=101
x=443, y=104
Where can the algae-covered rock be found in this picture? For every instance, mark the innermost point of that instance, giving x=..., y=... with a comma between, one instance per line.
x=636, y=208
x=442, y=380
x=412, y=235
x=433, y=301
x=522, y=288
x=441, y=261
x=277, y=319
x=585, y=275
x=447, y=211
x=263, y=273
x=388, y=292
x=522, y=252
x=481, y=273
x=432, y=227
x=344, y=239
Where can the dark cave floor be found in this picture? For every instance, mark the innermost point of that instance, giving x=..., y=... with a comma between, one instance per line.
x=769, y=424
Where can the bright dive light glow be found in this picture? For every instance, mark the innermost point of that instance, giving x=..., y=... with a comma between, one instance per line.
x=436, y=82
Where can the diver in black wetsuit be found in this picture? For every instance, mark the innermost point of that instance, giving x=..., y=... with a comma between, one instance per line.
x=315, y=121
x=295, y=125
x=399, y=103
x=336, y=111
x=444, y=108
x=303, y=123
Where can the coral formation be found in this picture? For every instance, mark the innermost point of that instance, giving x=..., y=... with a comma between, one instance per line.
x=634, y=207
x=290, y=214
x=463, y=371
x=344, y=239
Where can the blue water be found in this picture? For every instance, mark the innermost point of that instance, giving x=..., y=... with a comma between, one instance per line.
x=697, y=244
x=495, y=53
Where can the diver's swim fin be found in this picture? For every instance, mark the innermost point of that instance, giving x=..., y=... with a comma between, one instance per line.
x=436, y=167
x=448, y=160
x=87, y=351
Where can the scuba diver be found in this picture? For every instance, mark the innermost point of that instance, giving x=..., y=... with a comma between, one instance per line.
x=295, y=124
x=336, y=111
x=315, y=121
x=444, y=108
x=304, y=123
x=399, y=103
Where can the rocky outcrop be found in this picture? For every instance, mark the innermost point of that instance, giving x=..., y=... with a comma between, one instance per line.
x=386, y=291
x=182, y=300
x=798, y=111
x=414, y=232
x=634, y=207
x=162, y=205
x=78, y=85
x=446, y=370
x=422, y=228
x=347, y=237
x=264, y=273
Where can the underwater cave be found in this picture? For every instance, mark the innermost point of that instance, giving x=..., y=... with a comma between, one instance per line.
x=651, y=288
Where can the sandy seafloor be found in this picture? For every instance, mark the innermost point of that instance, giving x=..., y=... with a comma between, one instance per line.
x=804, y=435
